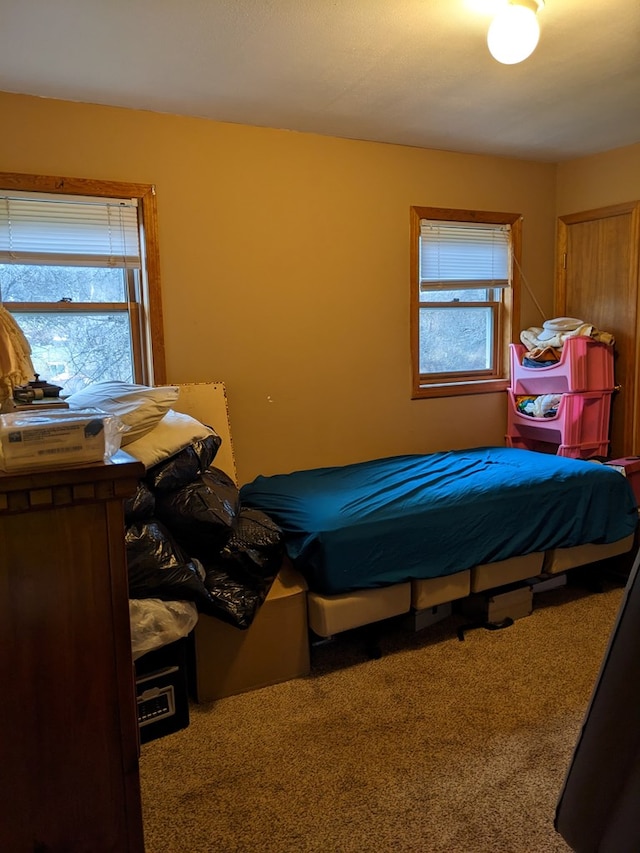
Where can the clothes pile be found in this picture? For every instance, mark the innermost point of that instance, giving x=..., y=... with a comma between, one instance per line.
x=544, y=343
x=542, y=406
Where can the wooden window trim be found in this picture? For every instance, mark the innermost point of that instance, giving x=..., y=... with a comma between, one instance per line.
x=510, y=314
x=152, y=325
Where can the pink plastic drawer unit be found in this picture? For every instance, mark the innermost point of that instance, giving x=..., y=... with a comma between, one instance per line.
x=585, y=365
x=581, y=418
x=575, y=451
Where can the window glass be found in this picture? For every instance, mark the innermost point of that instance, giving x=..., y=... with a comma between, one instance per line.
x=75, y=350
x=33, y=283
x=455, y=340
x=471, y=295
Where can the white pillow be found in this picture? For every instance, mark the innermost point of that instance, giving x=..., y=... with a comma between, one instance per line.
x=139, y=407
x=174, y=432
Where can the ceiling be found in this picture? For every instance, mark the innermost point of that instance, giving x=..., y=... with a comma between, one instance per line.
x=411, y=72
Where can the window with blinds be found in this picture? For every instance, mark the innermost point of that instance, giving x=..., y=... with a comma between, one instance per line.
x=74, y=274
x=462, y=298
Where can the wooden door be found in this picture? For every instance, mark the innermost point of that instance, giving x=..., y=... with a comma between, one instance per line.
x=597, y=281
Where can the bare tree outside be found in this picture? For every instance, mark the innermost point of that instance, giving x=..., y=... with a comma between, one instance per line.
x=72, y=348
x=454, y=336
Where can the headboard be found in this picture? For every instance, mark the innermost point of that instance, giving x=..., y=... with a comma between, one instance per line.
x=207, y=403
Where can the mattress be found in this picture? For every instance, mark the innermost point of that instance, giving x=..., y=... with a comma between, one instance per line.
x=391, y=520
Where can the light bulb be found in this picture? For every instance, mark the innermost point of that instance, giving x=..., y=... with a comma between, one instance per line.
x=513, y=34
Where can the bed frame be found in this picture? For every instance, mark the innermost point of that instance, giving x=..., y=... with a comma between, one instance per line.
x=332, y=614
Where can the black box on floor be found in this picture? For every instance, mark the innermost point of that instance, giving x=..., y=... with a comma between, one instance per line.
x=512, y=601
x=161, y=691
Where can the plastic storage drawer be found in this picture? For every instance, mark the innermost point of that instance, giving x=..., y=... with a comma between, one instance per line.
x=580, y=426
x=585, y=365
x=575, y=451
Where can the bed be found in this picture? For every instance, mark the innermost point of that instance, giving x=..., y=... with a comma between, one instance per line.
x=378, y=538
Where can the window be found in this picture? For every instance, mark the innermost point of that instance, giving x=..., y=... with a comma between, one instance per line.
x=464, y=299
x=79, y=271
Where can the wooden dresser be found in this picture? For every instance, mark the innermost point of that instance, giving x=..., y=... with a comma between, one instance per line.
x=69, y=777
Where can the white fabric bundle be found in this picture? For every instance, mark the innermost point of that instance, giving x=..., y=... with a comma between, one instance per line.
x=16, y=367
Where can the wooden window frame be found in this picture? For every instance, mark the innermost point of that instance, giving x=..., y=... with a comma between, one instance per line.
x=506, y=316
x=146, y=313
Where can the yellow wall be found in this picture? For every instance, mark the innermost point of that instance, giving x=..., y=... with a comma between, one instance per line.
x=599, y=181
x=285, y=268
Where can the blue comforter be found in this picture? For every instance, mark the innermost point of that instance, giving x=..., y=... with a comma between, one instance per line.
x=389, y=520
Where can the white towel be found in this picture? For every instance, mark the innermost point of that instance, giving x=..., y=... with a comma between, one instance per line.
x=531, y=337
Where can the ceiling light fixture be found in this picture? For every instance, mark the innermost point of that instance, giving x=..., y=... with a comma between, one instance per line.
x=514, y=32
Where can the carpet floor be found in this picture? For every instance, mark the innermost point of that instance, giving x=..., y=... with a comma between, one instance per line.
x=438, y=746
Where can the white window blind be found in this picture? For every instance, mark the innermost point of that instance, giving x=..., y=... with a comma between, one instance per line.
x=457, y=255
x=37, y=228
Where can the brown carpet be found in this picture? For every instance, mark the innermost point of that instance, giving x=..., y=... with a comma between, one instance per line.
x=439, y=746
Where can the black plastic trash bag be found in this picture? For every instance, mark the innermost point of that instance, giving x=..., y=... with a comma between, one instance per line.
x=256, y=544
x=186, y=465
x=159, y=568
x=239, y=578
x=140, y=505
x=231, y=599
x=201, y=514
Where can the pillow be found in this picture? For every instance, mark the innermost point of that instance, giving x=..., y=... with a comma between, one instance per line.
x=174, y=432
x=139, y=407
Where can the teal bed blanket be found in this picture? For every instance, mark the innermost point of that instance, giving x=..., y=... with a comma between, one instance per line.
x=390, y=520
